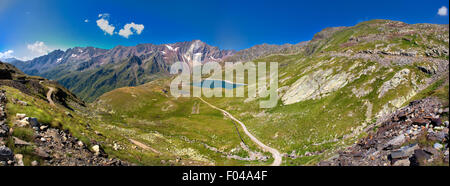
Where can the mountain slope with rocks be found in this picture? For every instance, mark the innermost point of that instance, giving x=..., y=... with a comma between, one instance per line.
x=37, y=86
x=415, y=135
x=35, y=132
x=37, y=129
x=259, y=51
x=344, y=80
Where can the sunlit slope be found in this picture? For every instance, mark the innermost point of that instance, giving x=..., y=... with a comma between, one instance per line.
x=329, y=94
x=183, y=127
x=345, y=79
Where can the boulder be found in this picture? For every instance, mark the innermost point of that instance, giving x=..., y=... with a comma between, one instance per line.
x=20, y=116
x=23, y=103
x=397, y=141
x=33, y=122
x=80, y=143
x=404, y=162
x=315, y=85
x=41, y=153
x=438, y=146
x=420, y=121
x=23, y=123
x=34, y=163
x=420, y=157
x=6, y=153
x=404, y=152
x=395, y=81
x=436, y=121
x=402, y=116
x=436, y=136
x=43, y=127
x=4, y=129
x=116, y=147
x=68, y=114
x=357, y=154
x=19, y=159
x=431, y=150
x=96, y=149
x=18, y=141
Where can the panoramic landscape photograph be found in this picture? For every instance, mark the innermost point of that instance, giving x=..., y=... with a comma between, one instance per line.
x=209, y=83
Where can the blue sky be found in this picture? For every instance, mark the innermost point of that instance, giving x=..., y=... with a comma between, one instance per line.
x=30, y=28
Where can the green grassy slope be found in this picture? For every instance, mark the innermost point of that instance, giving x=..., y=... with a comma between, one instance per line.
x=149, y=110
x=372, y=56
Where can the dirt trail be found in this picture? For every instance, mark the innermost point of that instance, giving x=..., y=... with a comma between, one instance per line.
x=276, y=155
x=143, y=146
x=49, y=95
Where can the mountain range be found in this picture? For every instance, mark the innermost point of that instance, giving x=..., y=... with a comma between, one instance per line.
x=90, y=72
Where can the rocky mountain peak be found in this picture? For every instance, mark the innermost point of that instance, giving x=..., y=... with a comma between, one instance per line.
x=326, y=33
x=65, y=66
x=265, y=49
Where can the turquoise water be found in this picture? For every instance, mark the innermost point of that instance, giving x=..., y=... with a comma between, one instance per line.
x=216, y=83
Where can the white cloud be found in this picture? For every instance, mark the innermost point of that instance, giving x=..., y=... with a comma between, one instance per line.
x=443, y=11
x=126, y=31
x=31, y=51
x=129, y=28
x=6, y=54
x=38, y=48
x=104, y=16
x=105, y=26
x=86, y=20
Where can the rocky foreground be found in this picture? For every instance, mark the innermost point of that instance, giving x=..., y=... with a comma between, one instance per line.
x=52, y=146
x=415, y=135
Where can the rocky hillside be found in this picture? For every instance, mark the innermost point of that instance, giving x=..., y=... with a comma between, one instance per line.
x=415, y=135
x=89, y=72
x=37, y=129
x=40, y=124
x=37, y=86
x=28, y=141
x=345, y=80
x=259, y=51
x=332, y=91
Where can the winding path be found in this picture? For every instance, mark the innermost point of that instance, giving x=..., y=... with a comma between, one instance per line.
x=276, y=155
x=49, y=95
x=145, y=147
